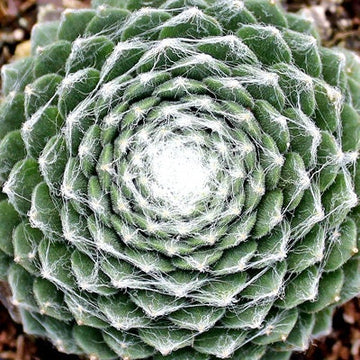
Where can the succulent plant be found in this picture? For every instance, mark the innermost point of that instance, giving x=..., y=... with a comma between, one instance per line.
x=179, y=180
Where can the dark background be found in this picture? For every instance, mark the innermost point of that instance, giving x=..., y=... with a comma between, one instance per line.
x=339, y=24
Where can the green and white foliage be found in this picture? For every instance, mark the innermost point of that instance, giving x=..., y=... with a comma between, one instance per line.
x=180, y=181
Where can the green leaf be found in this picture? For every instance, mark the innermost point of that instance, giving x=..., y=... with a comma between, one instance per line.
x=298, y=339
x=103, y=237
x=304, y=49
x=166, y=340
x=353, y=88
x=61, y=334
x=228, y=48
x=340, y=198
x=199, y=260
x=12, y=150
x=269, y=213
x=350, y=120
x=266, y=11
x=133, y=5
x=107, y=22
x=333, y=67
x=50, y=300
x=300, y=288
x=261, y=84
x=44, y=212
x=329, y=291
x=329, y=157
x=42, y=34
x=73, y=23
x=271, y=161
x=42, y=92
x=74, y=186
x=177, y=5
x=21, y=285
x=235, y=259
x=182, y=354
x=200, y=66
x=297, y=87
x=148, y=262
x=351, y=286
x=254, y=189
x=75, y=229
x=31, y=323
x=109, y=3
x=88, y=52
x=294, y=180
x=55, y=263
x=38, y=130
x=250, y=351
x=220, y=342
x=123, y=275
x=51, y=59
x=247, y=315
x=17, y=75
x=229, y=89
x=145, y=24
x=144, y=84
x=190, y=23
x=23, y=177
x=341, y=245
x=9, y=219
x=272, y=247
x=230, y=14
x=85, y=309
x=26, y=240
x=328, y=106
x=266, y=42
x=323, y=322
x=179, y=87
x=88, y=275
x=52, y=162
x=155, y=304
x=273, y=123
x=242, y=118
x=98, y=201
x=74, y=89
x=308, y=213
x=122, y=313
x=307, y=251
x=5, y=262
x=89, y=150
x=92, y=342
x=301, y=23
x=222, y=291
x=276, y=355
x=197, y=318
x=127, y=345
x=12, y=113
x=277, y=327
x=124, y=57
x=265, y=283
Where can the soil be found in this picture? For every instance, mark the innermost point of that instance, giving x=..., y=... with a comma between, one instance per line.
x=339, y=24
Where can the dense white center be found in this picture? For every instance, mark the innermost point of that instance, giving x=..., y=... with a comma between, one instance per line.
x=180, y=173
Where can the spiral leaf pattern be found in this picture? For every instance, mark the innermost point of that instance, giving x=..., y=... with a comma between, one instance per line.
x=180, y=181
